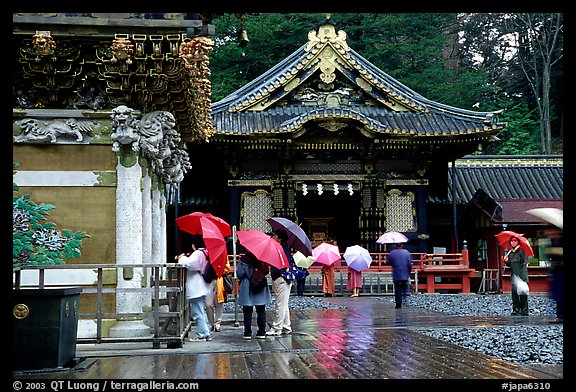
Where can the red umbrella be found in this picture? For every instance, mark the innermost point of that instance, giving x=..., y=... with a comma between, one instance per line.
x=326, y=253
x=264, y=247
x=191, y=223
x=215, y=245
x=503, y=238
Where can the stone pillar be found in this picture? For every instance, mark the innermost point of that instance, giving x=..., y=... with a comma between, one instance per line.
x=158, y=230
x=129, y=245
x=163, y=229
x=146, y=233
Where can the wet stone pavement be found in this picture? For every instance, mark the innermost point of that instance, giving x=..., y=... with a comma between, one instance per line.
x=364, y=338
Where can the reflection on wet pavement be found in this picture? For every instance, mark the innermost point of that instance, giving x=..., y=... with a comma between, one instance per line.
x=368, y=339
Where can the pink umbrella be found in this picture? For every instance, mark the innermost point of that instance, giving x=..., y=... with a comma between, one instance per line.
x=326, y=253
x=392, y=237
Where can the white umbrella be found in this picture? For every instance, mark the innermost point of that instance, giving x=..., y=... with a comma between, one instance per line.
x=357, y=258
x=392, y=237
x=553, y=216
x=302, y=261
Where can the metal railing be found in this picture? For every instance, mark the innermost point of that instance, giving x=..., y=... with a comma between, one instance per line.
x=168, y=312
x=165, y=286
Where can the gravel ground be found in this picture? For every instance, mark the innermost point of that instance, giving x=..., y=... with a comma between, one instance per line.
x=522, y=344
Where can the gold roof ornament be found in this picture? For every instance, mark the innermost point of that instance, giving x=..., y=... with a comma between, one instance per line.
x=194, y=55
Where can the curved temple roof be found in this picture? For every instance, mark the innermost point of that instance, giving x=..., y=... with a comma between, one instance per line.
x=326, y=80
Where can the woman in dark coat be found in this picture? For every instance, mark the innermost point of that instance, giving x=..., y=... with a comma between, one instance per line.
x=250, y=299
x=516, y=259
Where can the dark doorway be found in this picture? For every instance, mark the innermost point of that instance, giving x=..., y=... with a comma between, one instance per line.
x=330, y=217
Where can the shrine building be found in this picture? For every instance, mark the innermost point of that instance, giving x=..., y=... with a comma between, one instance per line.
x=330, y=141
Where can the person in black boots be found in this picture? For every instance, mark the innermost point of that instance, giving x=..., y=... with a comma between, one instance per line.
x=516, y=259
x=250, y=298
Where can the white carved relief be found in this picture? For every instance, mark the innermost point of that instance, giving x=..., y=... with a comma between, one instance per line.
x=38, y=131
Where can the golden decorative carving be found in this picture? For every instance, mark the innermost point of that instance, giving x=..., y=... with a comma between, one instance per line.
x=67, y=308
x=327, y=33
x=195, y=60
x=332, y=125
x=20, y=311
x=43, y=45
x=364, y=85
x=122, y=48
x=291, y=85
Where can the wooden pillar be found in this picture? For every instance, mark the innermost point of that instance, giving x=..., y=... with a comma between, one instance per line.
x=430, y=283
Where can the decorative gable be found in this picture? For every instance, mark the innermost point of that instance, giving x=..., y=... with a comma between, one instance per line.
x=326, y=86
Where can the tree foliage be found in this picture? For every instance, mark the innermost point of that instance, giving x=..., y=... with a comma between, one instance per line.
x=464, y=60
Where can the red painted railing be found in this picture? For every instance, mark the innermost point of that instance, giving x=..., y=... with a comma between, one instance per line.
x=420, y=261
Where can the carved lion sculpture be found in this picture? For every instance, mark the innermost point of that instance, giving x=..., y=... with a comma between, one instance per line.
x=125, y=128
x=154, y=127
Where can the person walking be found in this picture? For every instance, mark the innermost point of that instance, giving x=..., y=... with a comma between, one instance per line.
x=251, y=299
x=354, y=282
x=281, y=286
x=215, y=301
x=196, y=287
x=517, y=260
x=401, y=261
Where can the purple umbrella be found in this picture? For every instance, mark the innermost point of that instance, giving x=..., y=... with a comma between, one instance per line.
x=297, y=238
x=358, y=258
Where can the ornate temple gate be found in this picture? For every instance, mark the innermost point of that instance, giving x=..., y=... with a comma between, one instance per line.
x=378, y=205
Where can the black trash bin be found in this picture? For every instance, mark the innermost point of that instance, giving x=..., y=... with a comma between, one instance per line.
x=44, y=327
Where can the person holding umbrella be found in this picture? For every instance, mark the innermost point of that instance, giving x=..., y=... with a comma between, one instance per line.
x=250, y=298
x=517, y=260
x=196, y=288
x=401, y=261
x=354, y=282
x=303, y=263
x=215, y=300
x=281, y=286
